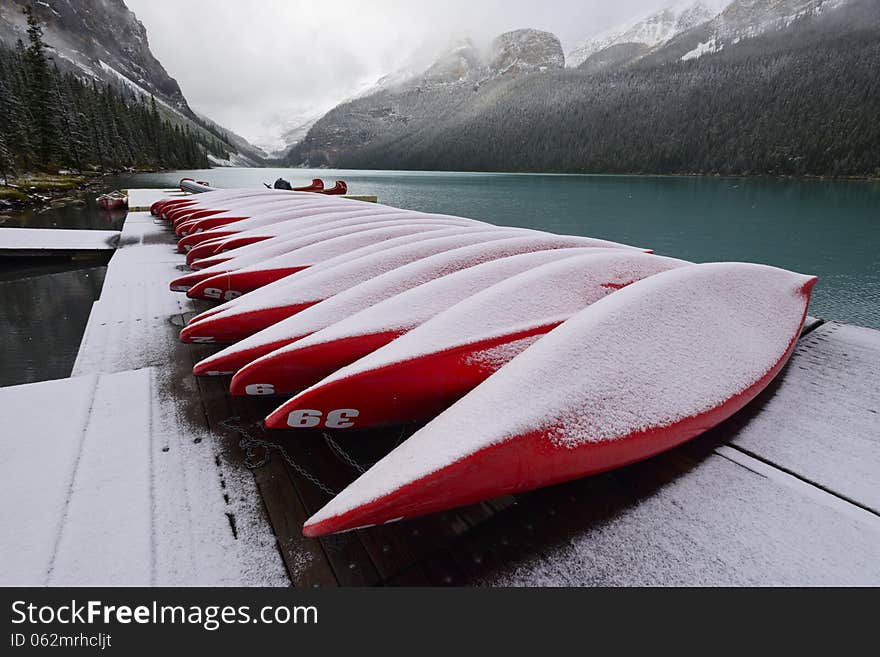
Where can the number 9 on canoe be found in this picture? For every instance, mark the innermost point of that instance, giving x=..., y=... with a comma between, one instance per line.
x=341, y=418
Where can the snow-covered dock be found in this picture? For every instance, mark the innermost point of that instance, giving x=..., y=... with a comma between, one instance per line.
x=55, y=242
x=140, y=200
x=128, y=473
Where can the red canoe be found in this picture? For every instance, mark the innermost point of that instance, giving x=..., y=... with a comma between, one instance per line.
x=245, y=273
x=263, y=308
x=637, y=373
x=287, y=374
x=275, y=223
x=254, y=276
x=425, y=371
x=402, y=312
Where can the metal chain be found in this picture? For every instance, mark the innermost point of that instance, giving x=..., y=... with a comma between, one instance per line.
x=345, y=456
x=249, y=442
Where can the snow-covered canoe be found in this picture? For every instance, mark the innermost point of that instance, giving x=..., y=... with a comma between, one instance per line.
x=637, y=373
x=229, y=223
x=325, y=244
x=250, y=278
x=425, y=371
x=286, y=375
x=207, y=206
x=219, y=248
x=245, y=316
x=270, y=246
x=235, y=218
x=238, y=211
x=164, y=206
x=173, y=209
x=375, y=326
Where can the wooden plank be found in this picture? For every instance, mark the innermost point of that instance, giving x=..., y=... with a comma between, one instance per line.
x=819, y=419
x=683, y=518
x=44, y=444
x=135, y=324
x=304, y=558
x=140, y=200
x=55, y=242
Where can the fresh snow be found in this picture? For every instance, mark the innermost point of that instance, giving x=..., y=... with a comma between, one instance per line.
x=668, y=347
x=57, y=239
x=309, y=247
x=279, y=234
x=406, y=310
x=454, y=255
x=828, y=403
x=132, y=486
x=709, y=46
x=350, y=270
x=541, y=296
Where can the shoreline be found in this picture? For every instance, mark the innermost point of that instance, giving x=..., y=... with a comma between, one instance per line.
x=44, y=191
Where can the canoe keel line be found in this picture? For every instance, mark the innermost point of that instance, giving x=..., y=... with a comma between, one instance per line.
x=534, y=358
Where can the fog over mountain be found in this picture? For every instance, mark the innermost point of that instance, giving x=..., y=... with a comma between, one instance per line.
x=762, y=87
x=652, y=86
x=267, y=67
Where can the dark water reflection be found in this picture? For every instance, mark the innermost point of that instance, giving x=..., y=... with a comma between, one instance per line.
x=87, y=217
x=43, y=313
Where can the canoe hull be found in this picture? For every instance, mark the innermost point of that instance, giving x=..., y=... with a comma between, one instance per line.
x=530, y=461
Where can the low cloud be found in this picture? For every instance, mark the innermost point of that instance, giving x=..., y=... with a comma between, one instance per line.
x=260, y=66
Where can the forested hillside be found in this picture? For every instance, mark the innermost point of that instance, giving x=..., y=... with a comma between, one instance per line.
x=51, y=120
x=803, y=100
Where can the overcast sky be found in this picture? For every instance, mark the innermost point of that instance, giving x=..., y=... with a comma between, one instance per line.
x=254, y=65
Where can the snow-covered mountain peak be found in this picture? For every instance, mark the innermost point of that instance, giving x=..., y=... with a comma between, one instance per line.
x=652, y=31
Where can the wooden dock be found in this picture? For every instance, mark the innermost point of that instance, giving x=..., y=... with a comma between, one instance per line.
x=35, y=242
x=168, y=480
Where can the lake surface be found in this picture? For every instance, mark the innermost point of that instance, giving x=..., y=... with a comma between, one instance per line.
x=827, y=228
x=830, y=229
x=43, y=315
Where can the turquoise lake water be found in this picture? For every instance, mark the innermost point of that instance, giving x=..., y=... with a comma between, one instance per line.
x=827, y=228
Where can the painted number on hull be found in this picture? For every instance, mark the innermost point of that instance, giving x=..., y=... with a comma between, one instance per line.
x=341, y=418
x=217, y=293
x=260, y=389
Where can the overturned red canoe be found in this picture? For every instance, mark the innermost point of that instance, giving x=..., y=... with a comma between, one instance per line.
x=205, y=203
x=425, y=371
x=213, y=199
x=270, y=246
x=398, y=314
x=245, y=273
x=245, y=316
x=188, y=221
x=262, y=239
x=637, y=373
x=252, y=277
x=258, y=213
x=228, y=238
x=286, y=375
x=266, y=225
x=255, y=216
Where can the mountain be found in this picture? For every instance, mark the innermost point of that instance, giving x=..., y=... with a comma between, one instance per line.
x=653, y=31
x=103, y=40
x=745, y=19
x=787, y=87
x=407, y=100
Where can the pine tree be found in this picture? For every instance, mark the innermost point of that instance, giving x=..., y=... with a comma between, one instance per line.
x=44, y=130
